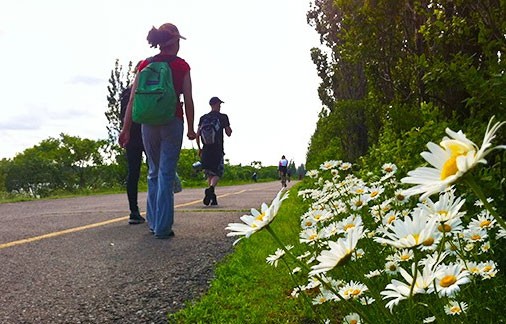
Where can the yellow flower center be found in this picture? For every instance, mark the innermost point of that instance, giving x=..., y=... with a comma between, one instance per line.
x=391, y=219
x=444, y=228
x=449, y=168
x=312, y=237
x=358, y=203
x=388, y=169
x=475, y=237
x=400, y=197
x=404, y=257
x=447, y=281
x=485, y=223
x=487, y=268
x=455, y=309
x=428, y=242
x=260, y=217
x=356, y=292
x=317, y=216
x=348, y=226
x=442, y=212
x=374, y=194
x=353, y=321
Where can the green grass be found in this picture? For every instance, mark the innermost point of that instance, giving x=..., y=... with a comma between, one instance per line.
x=248, y=290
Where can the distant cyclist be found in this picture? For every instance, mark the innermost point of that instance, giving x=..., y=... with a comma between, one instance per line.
x=283, y=169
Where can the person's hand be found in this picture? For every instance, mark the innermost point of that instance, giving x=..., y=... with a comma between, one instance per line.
x=191, y=134
x=123, y=138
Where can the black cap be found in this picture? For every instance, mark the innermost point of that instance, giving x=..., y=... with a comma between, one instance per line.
x=215, y=100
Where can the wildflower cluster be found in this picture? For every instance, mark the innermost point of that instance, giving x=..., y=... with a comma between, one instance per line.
x=369, y=244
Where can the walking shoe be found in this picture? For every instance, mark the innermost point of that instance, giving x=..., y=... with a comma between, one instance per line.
x=208, y=194
x=165, y=236
x=214, y=201
x=136, y=218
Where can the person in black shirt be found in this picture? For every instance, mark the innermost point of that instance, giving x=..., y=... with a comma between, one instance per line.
x=212, y=154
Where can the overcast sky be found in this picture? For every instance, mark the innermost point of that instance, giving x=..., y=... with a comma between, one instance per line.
x=57, y=56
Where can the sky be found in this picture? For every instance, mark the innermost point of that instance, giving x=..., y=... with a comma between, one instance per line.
x=56, y=58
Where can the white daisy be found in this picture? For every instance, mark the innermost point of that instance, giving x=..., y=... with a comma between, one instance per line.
x=274, y=258
x=373, y=273
x=258, y=219
x=312, y=174
x=475, y=235
x=352, y=290
x=339, y=252
x=309, y=235
x=389, y=168
x=455, y=308
x=488, y=269
x=408, y=233
x=447, y=207
x=429, y=319
x=403, y=255
x=449, y=278
x=327, y=165
x=352, y=318
x=501, y=233
x=391, y=267
x=483, y=221
x=395, y=291
x=450, y=160
x=400, y=198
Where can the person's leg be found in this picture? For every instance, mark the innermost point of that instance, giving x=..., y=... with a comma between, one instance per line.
x=171, y=141
x=134, y=160
x=151, y=140
x=214, y=181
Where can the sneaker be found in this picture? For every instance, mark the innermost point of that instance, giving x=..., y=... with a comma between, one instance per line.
x=208, y=193
x=164, y=237
x=136, y=218
x=214, y=201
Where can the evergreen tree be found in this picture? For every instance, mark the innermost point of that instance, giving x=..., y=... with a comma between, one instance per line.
x=118, y=82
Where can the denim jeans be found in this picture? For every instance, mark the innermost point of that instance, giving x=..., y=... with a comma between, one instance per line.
x=162, y=144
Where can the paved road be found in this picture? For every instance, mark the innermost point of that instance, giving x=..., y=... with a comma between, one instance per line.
x=77, y=260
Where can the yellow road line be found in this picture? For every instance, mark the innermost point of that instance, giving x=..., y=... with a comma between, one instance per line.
x=85, y=227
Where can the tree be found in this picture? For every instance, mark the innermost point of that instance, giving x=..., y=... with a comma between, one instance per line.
x=118, y=82
x=66, y=163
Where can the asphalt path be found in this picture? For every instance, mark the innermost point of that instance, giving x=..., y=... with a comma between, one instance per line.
x=76, y=260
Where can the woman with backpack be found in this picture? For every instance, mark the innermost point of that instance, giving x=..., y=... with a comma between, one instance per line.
x=162, y=141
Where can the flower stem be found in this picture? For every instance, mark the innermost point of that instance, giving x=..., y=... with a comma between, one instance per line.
x=477, y=190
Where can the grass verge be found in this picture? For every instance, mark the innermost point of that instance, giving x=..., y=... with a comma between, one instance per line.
x=248, y=290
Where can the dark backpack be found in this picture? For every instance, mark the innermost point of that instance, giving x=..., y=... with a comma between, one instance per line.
x=155, y=99
x=209, y=129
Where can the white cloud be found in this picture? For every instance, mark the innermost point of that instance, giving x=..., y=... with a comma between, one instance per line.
x=253, y=55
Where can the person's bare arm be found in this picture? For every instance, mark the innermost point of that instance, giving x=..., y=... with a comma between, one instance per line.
x=228, y=131
x=188, y=105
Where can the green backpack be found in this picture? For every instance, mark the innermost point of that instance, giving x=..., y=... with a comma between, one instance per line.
x=155, y=99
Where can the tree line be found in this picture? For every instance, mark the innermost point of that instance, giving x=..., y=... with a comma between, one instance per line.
x=394, y=74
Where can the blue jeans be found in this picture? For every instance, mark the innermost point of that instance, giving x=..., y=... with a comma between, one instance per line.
x=162, y=144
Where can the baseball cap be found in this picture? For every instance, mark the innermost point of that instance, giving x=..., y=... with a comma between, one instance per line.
x=171, y=29
x=215, y=100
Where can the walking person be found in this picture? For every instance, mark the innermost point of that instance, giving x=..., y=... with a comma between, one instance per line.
x=162, y=143
x=283, y=170
x=210, y=132
x=134, y=149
